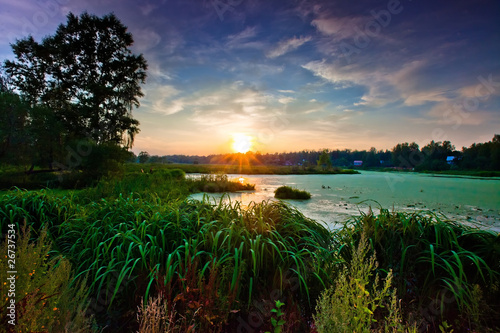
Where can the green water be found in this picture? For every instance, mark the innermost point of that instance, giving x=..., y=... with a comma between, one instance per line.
x=472, y=201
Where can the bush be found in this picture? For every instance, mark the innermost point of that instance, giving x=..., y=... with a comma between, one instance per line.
x=45, y=298
x=357, y=303
x=286, y=192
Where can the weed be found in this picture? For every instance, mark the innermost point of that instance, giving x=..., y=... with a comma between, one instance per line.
x=45, y=298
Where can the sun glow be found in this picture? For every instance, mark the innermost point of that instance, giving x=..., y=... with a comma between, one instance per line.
x=241, y=143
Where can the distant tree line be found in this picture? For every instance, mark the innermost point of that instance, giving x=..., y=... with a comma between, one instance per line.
x=435, y=156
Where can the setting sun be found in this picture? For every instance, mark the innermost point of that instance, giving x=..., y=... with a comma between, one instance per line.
x=241, y=143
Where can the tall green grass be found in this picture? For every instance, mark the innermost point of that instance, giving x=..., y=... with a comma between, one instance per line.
x=131, y=247
x=212, y=263
x=438, y=265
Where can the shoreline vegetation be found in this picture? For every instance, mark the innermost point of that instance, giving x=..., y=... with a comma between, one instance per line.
x=287, y=192
x=140, y=255
x=244, y=169
x=475, y=174
x=65, y=179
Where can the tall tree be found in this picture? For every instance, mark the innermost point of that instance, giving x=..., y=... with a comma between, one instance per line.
x=324, y=160
x=406, y=155
x=86, y=74
x=14, y=133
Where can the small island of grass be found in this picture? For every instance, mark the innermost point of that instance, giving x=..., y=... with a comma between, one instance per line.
x=287, y=192
x=217, y=183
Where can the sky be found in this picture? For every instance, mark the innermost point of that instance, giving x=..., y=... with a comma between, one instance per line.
x=299, y=74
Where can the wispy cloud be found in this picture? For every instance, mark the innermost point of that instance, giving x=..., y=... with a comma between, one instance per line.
x=286, y=46
x=160, y=99
x=244, y=39
x=339, y=27
x=376, y=81
x=145, y=39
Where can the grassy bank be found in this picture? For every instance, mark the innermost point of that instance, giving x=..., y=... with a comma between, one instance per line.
x=138, y=243
x=463, y=173
x=467, y=173
x=76, y=179
x=239, y=169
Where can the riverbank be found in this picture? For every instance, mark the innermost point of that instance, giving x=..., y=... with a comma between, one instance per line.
x=480, y=174
x=244, y=169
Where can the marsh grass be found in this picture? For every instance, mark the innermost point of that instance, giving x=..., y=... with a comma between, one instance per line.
x=239, y=169
x=220, y=182
x=287, y=192
x=132, y=247
x=209, y=263
x=441, y=268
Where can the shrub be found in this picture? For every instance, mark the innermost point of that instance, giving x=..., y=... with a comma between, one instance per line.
x=286, y=192
x=45, y=299
x=357, y=303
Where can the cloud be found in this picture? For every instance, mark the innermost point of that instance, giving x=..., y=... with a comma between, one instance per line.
x=384, y=85
x=247, y=33
x=286, y=46
x=147, y=8
x=447, y=114
x=380, y=90
x=145, y=39
x=339, y=27
x=286, y=99
x=425, y=96
x=244, y=39
x=225, y=106
x=160, y=99
x=479, y=90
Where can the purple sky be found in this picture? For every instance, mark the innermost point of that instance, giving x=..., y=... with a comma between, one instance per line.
x=299, y=74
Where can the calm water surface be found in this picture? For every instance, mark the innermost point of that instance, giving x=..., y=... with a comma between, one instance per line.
x=473, y=201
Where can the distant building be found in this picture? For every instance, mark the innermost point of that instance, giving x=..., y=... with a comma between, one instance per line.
x=358, y=163
x=450, y=159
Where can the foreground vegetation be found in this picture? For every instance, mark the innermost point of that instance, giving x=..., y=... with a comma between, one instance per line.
x=150, y=261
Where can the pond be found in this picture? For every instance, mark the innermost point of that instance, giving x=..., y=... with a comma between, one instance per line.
x=468, y=200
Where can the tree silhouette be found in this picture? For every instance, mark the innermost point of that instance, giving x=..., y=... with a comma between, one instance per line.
x=86, y=74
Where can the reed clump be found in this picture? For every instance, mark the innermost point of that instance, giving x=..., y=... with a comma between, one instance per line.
x=287, y=192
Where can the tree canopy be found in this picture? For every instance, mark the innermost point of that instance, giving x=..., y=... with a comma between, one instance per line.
x=86, y=75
